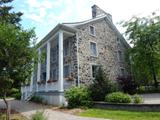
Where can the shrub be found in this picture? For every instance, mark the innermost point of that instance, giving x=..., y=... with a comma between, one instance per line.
x=37, y=99
x=148, y=89
x=17, y=96
x=137, y=99
x=101, y=86
x=118, y=97
x=77, y=96
x=127, y=84
x=15, y=93
x=39, y=116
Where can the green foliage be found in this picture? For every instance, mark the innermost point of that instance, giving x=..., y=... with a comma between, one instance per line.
x=38, y=116
x=137, y=99
x=16, y=56
x=101, y=86
x=118, y=97
x=37, y=99
x=15, y=93
x=144, y=56
x=7, y=15
x=148, y=89
x=78, y=96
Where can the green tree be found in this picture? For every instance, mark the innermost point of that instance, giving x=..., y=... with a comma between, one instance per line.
x=101, y=86
x=144, y=56
x=16, y=57
x=7, y=15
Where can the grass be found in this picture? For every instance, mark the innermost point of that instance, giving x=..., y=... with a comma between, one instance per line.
x=120, y=114
x=13, y=117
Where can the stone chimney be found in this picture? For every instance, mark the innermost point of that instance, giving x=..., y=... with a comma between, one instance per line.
x=96, y=11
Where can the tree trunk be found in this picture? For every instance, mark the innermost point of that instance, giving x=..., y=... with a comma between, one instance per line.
x=7, y=108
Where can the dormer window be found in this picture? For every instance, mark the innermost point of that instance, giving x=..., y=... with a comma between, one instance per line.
x=92, y=30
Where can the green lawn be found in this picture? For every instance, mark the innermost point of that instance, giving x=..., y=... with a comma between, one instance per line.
x=121, y=115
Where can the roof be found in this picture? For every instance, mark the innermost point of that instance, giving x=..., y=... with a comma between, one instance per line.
x=74, y=24
x=108, y=21
x=71, y=27
x=55, y=30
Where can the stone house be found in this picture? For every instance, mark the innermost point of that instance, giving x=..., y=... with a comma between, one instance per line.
x=73, y=52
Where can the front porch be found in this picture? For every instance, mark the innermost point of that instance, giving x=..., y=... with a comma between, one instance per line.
x=53, y=73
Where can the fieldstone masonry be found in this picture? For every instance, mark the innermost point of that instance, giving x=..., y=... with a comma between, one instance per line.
x=107, y=46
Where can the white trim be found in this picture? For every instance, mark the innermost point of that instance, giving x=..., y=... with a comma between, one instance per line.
x=60, y=66
x=39, y=65
x=90, y=49
x=77, y=60
x=85, y=22
x=48, y=63
x=94, y=28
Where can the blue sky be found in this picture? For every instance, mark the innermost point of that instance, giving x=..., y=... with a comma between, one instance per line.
x=45, y=14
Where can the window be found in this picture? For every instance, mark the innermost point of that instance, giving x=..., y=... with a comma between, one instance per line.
x=66, y=71
x=92, y=30
x=94, y=70
x=118, y=41
x=44, y=76
x=54, y=74
x=93, y=49
x=122, y=71
x=66, y=48
x=120, y=56
x=54, y=54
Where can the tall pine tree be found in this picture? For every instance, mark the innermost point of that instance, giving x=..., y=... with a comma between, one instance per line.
x=6, y=16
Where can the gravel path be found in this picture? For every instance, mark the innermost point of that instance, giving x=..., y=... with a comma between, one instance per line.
x=28, y=109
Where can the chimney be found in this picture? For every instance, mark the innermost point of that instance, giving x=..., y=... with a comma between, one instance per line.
x=96, y=11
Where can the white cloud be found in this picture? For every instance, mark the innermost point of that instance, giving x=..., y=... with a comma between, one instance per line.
x=48, y=13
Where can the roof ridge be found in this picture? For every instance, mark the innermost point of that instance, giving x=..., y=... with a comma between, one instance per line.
x=101, y=16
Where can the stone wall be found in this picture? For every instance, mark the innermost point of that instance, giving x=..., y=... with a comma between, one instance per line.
x=107, y=45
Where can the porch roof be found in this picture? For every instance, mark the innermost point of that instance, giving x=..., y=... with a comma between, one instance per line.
x=58, y=27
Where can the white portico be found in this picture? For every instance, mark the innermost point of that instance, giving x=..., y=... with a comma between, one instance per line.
x=48, y=78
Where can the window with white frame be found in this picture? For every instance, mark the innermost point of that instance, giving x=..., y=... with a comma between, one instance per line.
x=94, y=70
x=66, y=48
x=93, y=49
x=92, y=30
x=66, y=71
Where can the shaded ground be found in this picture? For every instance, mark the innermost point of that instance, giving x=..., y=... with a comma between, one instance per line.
x=28, y=109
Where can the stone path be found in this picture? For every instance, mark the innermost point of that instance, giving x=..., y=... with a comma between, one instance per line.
x=28, y=109
x=153, y=98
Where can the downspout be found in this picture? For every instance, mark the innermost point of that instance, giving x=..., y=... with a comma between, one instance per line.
x=77, y=60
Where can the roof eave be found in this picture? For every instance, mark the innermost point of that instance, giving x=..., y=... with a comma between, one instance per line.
x=54, y=31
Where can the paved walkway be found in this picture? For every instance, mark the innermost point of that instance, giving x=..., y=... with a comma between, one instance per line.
x=153, y=98
x=28, y=109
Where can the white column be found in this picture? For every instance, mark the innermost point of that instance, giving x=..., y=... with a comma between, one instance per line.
x=39, y=67
x=48, y=64
x=31, y=83
x=60, y=42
